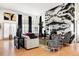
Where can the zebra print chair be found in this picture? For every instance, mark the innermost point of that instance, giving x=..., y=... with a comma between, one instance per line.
x=67, y=38
x=55, y=43
x=72, y=38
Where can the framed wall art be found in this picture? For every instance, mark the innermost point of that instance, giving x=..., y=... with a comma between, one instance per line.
x=9, y=16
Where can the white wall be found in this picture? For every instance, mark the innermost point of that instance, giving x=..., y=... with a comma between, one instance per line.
x=2, y=21
x=35, y=21
x=43, y=20
x=77, y=20
x=1, y=30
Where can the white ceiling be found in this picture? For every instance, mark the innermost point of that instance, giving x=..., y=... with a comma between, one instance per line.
x=29, y=8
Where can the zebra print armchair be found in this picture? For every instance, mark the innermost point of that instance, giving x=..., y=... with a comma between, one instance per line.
x=56, y=42
x=67, y=38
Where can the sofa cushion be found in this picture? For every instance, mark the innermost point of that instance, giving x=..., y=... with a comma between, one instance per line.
x=31, y=35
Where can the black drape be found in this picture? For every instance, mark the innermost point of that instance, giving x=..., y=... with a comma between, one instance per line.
x=30, y=24
x=40, y=26
x=19, y=29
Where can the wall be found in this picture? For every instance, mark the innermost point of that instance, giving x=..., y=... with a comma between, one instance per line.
x=61, y=18
x=77, y=20
x=2, y=21
x=35, y=21
x=1, y=24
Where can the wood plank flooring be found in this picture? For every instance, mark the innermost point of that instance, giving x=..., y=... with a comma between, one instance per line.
x=7, y=49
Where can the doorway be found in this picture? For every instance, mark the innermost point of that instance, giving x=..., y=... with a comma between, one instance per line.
x=9, y=29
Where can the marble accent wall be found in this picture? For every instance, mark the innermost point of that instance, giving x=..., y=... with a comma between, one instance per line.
x=60, y=18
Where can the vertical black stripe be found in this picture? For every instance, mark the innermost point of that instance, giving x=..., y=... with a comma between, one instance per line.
x=30, y=24
x=20, y=21
x=19, y=29
x=40, y=26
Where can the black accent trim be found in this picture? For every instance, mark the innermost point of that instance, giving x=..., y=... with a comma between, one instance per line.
x=40, y=26
x=30, y=24
x=19, y=29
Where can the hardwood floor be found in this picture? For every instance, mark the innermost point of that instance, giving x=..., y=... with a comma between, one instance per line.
x=7, y=49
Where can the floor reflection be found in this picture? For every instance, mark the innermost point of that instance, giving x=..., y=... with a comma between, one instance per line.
x=7, y=48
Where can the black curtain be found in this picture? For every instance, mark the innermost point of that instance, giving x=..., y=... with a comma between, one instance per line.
x=30, y=24
x=19, y=29
x=40, y=26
